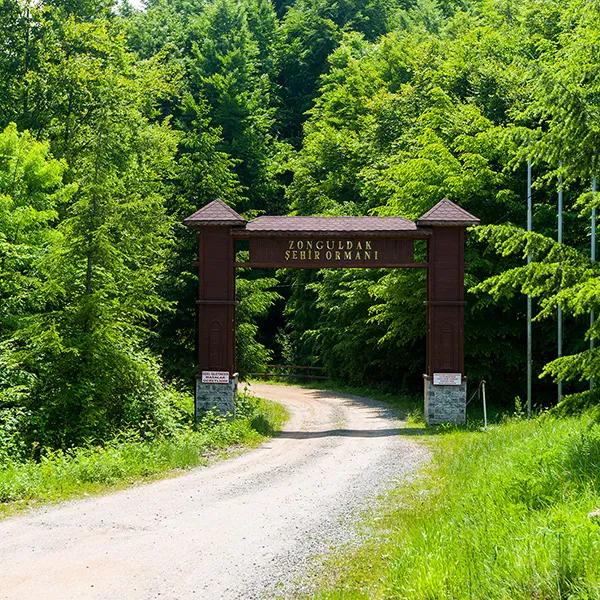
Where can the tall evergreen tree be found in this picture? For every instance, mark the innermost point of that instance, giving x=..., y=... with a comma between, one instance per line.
x=225, y=70
x=85, y=343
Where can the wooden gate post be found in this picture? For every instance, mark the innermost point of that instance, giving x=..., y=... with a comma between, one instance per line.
x=216, y=379
x=445, y=385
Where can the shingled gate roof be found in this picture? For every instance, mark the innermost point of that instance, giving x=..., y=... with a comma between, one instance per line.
x=445, y=212
x=303, y=224
x=215, y=213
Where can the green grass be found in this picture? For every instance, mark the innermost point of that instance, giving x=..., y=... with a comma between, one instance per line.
x=502, y=514
x=121, y=462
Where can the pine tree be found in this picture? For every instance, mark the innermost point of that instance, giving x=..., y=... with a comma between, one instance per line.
x=558, y=275
x=225, y=70
x=86, y=344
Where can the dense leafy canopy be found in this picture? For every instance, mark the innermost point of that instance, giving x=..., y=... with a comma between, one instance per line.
x=117, y=123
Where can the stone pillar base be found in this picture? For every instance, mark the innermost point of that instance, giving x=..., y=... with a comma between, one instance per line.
x=218, y=397
x=445, y=403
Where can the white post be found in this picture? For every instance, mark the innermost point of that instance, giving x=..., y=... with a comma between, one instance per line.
x=529, y=332
x=484, y=405
x=559, y=333
x=593, y=258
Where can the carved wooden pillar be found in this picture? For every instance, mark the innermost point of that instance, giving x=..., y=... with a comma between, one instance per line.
x=445, y=383
x=216, y=299
x=216, y=380
x=445, y=304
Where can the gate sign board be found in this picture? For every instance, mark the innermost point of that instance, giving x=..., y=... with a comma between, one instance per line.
x=322, y=252
x=215, y=376
x=312, y=242
x=331, y=242
x=447, y=379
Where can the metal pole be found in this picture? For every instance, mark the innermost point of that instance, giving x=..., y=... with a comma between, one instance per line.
x=560, y=239
x=529, y=333
x=484, y=405
x=593, y=258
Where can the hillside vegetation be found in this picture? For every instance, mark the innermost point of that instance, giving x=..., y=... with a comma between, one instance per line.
x=117, y=123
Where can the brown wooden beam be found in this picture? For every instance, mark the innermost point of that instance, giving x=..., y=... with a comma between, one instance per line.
x=280, y=265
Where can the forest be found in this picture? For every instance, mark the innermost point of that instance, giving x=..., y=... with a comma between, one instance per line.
x=117, y=122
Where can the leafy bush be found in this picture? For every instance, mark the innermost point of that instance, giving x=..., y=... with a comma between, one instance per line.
x=128, y=457
x=12, y=423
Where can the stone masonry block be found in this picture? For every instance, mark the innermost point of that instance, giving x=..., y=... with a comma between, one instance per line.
x=219, y=397
x=445, y=403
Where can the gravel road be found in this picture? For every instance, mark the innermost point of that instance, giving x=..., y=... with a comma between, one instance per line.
x=247, y=527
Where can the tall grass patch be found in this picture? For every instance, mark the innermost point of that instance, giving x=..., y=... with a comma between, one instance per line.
x=503, y=514
x=127, y=458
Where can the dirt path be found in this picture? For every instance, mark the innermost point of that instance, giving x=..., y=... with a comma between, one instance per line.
x=242, y=528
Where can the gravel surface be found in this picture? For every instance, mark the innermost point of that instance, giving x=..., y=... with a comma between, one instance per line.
x=248, y=527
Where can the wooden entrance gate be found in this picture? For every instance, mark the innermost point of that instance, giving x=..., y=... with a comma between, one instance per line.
x=329, y=243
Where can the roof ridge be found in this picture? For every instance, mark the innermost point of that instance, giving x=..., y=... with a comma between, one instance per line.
x=215, y=212
x=446, y=212
x=330, y=217
x=331, y=223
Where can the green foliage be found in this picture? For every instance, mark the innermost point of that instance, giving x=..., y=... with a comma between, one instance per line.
x=501, y=514
x=564, y=96
x=127, y=121
x=255, y=299
x=128, y=457
x=79, y=349
x=31, y=192
x=343, y=298
x=310, y=31
x=557, y=276
x=225, y=68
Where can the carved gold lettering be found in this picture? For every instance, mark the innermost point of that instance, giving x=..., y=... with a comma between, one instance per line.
x=338, y=250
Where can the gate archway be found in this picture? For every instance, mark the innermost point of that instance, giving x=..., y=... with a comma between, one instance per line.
x=328, y=243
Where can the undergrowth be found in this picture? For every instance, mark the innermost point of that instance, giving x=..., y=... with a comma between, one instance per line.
x=128, y=458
